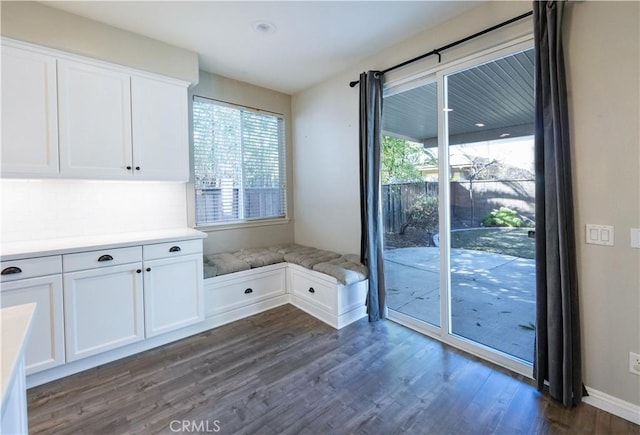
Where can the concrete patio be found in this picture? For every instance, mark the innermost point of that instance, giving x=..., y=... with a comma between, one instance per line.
x=493, y=295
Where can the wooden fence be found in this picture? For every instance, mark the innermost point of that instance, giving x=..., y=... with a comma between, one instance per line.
x=216, y=204
x=471, y=202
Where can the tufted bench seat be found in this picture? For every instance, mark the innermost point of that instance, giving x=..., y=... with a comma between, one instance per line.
x=325, y=284
x=347, y=269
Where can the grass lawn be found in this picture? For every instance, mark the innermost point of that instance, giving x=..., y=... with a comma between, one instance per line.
x=507, y=241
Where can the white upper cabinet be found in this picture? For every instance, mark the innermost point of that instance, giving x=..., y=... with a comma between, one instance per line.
x=159, y=125
x=95, y=121
x=67, y=116
x=29, y=114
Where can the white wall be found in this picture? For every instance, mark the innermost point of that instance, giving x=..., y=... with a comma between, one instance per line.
x=241, y=93
x=33, y=22
x=603, y=70
x=603, y=58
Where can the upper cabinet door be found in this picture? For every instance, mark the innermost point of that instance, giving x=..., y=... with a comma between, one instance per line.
x=29, y=114
x=160, y=130
x=95, y=122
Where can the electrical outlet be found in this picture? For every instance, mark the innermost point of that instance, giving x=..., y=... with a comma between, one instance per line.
x=634, y=363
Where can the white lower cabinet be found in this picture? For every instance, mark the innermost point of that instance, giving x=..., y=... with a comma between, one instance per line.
x=103, y=309
x=45, y=347
x=173, y=293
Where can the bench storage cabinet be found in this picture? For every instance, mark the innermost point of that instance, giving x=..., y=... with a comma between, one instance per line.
x=325, y=298
x=251, y=291
x=329, y=286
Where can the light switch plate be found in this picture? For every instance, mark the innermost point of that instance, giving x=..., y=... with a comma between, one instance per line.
x=599, y=234
x=635, y=238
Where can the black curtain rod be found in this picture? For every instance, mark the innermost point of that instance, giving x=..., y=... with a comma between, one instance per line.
x=453, y=44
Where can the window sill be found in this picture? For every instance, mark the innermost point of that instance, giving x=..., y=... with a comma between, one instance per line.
x=241, y=225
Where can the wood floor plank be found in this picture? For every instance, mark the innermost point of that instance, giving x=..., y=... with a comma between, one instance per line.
x=285, y=372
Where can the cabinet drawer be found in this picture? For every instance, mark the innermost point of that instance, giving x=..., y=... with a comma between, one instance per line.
x=170, y=249
x=30, y=268
x=314, y=290
x=231, y=294
x=104, y=258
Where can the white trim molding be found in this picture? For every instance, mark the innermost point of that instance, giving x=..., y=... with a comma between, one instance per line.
x=613, y=405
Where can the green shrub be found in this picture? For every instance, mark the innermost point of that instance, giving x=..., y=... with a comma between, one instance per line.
x=423, y=214
x=502, y=217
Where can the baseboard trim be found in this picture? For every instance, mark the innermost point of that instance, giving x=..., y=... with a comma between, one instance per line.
x=613, y=405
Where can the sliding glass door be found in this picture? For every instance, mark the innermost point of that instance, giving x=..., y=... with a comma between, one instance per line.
x=410, y=200
x=458, y=199
x=490, y=146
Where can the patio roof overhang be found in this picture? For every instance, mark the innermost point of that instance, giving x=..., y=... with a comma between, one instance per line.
x=498, y=95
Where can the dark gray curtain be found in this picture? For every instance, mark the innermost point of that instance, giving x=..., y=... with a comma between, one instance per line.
x=557, y=355
x=370, y=209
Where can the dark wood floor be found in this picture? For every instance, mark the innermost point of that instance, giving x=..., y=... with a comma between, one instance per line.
x=285, y=372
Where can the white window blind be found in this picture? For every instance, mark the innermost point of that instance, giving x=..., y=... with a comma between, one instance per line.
x=239, y=163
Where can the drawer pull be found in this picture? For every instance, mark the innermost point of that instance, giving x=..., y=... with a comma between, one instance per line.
x=312, y=290
x=148, y=269
x=11, y=270
x=247, y=291
x=139, y=271
x=105, y=257
x=175, y=249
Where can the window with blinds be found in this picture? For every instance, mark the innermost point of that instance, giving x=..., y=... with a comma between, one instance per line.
x=239, y=163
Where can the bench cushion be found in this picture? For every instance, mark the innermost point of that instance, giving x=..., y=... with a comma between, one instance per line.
x=223, y=263
x=259, y=257
x=309, y=257
x=345, y=268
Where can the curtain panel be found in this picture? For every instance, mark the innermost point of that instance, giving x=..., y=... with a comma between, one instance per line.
x=557, y=358
x=370, y=208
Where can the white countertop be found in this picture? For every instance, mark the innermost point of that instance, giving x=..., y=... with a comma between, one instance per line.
x=40, y=248
x=15, y=323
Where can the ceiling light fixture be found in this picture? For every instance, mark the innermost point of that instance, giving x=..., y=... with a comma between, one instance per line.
x=264, y=27
x=479, y=124
x=446, y=109
x=505, y=135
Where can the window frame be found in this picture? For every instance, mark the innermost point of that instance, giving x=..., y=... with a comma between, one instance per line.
x=284, y=182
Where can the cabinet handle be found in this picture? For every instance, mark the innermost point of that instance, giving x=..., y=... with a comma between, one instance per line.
x=137, y=168
x=175, y=249
x=148, y=269
x=105, y=257
x=128, y=168
x=138, y=271
x=311, y=290
x=11, y=270
x=247, y=291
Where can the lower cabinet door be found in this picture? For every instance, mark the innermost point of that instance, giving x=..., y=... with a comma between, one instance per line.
x=103, y=309
x=45, y=348
x=173, y=293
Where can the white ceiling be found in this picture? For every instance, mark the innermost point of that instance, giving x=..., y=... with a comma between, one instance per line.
x=313, y=39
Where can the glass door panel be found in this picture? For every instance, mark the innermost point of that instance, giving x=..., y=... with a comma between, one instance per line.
x=489, y=110
x=410, y=203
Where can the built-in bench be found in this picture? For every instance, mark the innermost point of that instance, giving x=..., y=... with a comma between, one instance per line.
x=325, y=284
